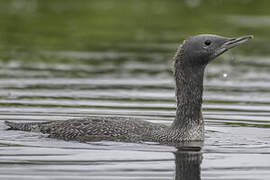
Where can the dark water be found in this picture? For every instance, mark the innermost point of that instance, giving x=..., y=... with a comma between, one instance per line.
x=64, y=59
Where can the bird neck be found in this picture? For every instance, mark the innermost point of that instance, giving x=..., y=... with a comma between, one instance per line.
x=189, y=91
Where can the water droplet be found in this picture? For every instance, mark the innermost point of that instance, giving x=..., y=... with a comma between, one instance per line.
x=224, y=76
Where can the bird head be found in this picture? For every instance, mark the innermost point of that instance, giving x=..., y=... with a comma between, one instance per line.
x=201, y=49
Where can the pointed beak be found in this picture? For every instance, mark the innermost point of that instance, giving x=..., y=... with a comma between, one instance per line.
x=231, y=43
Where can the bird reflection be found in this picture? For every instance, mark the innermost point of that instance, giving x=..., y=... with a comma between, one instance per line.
x=188, y=163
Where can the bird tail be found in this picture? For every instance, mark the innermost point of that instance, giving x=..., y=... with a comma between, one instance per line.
x=32, y=126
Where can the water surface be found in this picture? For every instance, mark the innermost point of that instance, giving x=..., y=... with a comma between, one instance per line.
x=66, y=59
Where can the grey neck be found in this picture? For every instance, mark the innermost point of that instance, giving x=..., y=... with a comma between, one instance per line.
x=189, y=91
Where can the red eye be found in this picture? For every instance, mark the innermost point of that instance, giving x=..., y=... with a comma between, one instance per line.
x=207, y=42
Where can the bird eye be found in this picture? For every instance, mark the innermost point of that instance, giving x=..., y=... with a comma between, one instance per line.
x=207, y=42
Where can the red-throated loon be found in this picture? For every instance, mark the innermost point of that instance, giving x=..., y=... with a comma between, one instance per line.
x=190, y=61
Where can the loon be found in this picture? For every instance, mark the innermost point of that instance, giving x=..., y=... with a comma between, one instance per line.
x=188, y=126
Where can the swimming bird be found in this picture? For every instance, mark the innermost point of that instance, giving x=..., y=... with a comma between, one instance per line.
x=189, y=64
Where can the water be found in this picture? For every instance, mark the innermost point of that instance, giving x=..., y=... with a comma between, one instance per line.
x=61, y=59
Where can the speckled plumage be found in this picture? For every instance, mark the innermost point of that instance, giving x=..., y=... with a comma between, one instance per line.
x=190, y=62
